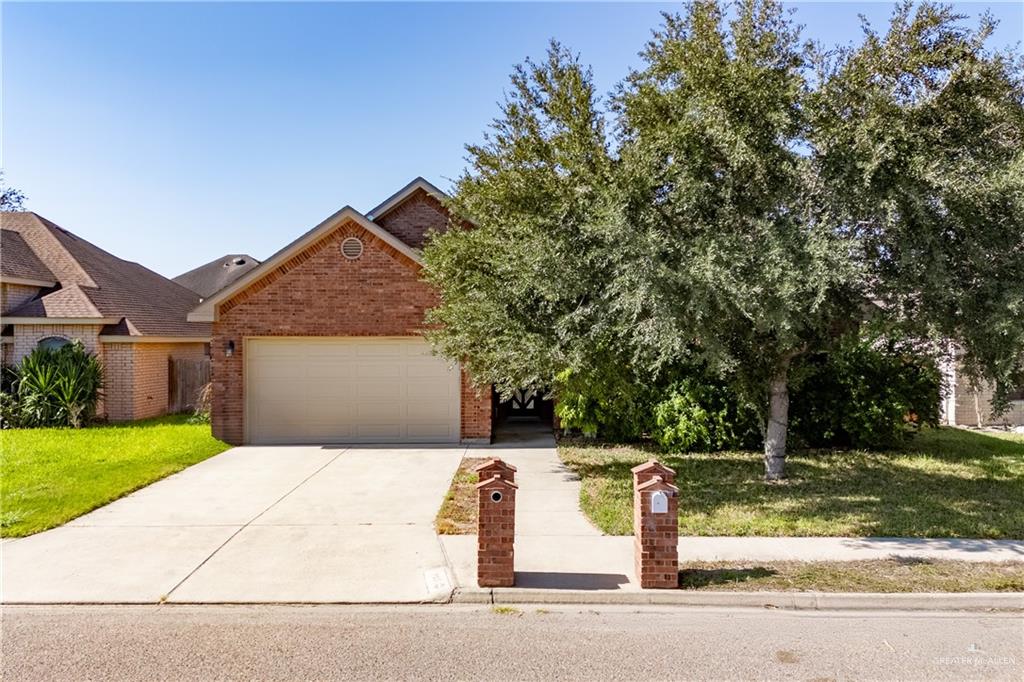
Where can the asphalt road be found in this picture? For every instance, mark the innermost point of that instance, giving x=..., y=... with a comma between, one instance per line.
x=464, y=642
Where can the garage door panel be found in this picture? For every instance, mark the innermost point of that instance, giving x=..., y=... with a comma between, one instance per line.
x=320, y=390
x=426, y=432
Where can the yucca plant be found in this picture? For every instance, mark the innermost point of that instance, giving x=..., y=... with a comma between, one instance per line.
x=59, y=387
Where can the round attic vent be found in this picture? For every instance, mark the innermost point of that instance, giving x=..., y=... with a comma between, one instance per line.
x=352, y=248
x=239, y=261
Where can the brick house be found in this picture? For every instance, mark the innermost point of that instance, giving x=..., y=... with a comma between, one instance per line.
x=322, y=342
x=56, y=287
x=963, y=405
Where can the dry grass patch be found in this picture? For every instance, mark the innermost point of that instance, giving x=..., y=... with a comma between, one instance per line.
x=896, y=574
x=458, y=512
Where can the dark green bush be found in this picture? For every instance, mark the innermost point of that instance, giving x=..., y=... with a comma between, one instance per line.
x=701, y=414
x=868, y=394
x=57, y=387
x=609, y=402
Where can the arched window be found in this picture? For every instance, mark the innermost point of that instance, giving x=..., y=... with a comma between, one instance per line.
x=53, y=342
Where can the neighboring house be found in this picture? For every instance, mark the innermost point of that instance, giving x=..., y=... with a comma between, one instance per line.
x=208, y=279
x=322, y=341
x=57, y=287
x=962, y=405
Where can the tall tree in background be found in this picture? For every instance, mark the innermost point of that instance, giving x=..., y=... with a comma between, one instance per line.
x=735, y=262
x=918, y=138
x=767, y=198
x=522, y=291
x=788, y=194
x=10, y=199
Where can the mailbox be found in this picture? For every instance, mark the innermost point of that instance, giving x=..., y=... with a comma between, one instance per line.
x=659, y=502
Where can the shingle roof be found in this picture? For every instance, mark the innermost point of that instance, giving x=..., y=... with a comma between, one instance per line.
x=210, y=278
x=97, y=284
x=18, y=260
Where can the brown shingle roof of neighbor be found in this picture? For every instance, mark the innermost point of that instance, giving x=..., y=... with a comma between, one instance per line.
x=19, y=261
x=210, y=278
x=97, y=284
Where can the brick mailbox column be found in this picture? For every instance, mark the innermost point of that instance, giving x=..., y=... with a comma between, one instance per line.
x=496, y=530
x=656, y=526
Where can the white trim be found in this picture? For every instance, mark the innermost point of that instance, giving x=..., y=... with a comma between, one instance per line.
x=61, y=320
x=116, y=338
x=403, y=194
x=207, y=310
x=27, y=281
x=6, y=339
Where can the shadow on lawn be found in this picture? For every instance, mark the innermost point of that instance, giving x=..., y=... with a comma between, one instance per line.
x=949, y=483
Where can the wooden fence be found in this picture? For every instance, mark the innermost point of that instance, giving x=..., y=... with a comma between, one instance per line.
x=185, y=379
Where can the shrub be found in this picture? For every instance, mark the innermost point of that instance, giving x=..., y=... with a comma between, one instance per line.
x=701, y=414
x=866, y=393
x=608, y=402
x=58, y=387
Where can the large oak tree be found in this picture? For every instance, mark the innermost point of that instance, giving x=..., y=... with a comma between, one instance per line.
x=763, y=198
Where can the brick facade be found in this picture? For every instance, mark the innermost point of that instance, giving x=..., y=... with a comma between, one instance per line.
x=28, y=336
x=137, y=377
x=14, y=295
x=970, y=403
x=411, y=220
x=319, y=292
x=134, y=374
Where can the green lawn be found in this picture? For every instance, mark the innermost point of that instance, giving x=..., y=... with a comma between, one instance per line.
x=50, y=476
x=945, y=483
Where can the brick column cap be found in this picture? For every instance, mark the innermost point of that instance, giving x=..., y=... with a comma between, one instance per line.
x=653, y=466
x=498, y=466
x=496, y=482
x=657, y=484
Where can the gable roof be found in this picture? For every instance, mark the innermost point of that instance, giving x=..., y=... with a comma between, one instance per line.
x=207, y=310
x=401, y=195
x=210, y=278
x=98, y=287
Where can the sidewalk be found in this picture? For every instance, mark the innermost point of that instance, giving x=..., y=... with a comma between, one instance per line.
x=557, y=548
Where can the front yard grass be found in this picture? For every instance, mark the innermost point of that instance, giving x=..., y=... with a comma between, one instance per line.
x=896, y=574
x=50, y=476
x=946, y=482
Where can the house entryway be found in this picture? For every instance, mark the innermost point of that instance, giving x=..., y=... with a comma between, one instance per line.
x=526, y=414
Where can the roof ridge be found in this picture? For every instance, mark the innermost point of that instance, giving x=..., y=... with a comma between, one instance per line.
x=87, y=279
x=419, y=182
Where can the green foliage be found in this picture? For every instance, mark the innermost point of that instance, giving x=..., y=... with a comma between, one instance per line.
x=698, y=414
x=522, y=291
x=866, y=395
x=609, y=402
x=11, y=199
x=58, y=387
x=765, y=198
x=917, y=146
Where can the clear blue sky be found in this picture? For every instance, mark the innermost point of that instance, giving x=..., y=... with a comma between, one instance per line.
x=171, y=134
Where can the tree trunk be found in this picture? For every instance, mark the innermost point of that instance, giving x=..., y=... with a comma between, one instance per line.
x=778, y=421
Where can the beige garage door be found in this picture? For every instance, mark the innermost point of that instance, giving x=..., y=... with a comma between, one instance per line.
x=349, y=390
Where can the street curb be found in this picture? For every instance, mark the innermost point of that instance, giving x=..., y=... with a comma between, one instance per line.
x=925, y=601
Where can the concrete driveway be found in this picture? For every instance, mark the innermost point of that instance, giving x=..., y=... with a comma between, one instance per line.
x=254, y=524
